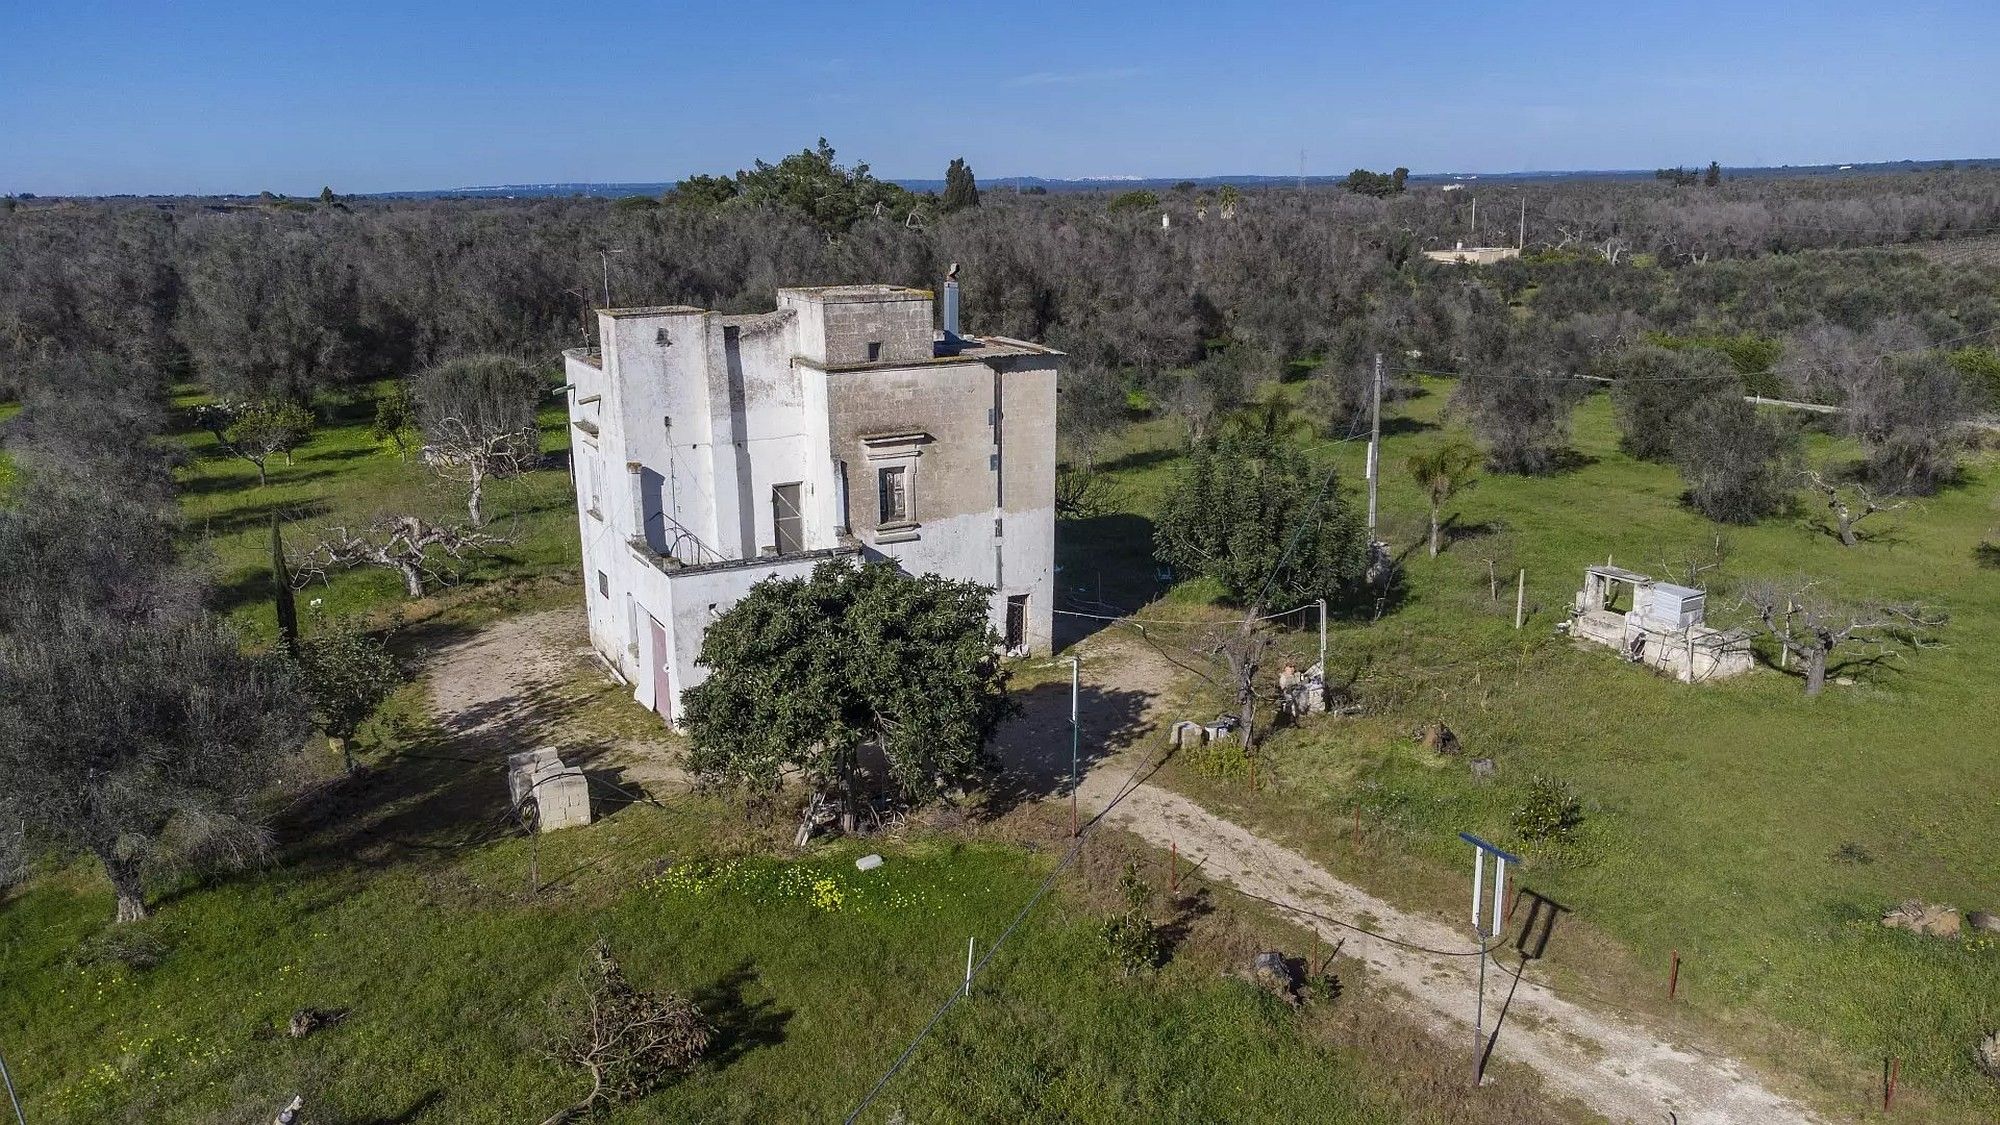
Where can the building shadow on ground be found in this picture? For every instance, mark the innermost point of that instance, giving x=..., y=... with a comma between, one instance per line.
x=1033, y=750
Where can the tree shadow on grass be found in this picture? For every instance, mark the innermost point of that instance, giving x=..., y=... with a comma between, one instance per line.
x=741, y=1025
x=410, y=1113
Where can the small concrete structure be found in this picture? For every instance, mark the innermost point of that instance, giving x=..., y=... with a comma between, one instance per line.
x=540, y=786
x=1463, y=255
x=1664, y=629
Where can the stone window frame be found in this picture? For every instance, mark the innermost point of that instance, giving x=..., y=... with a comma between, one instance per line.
x=897, y=451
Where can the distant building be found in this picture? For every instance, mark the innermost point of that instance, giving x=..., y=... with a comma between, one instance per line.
x=713, y=451
x=1464, y=255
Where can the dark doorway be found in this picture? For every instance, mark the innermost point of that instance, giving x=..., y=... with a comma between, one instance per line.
x=1017, y=622
x=786, y=522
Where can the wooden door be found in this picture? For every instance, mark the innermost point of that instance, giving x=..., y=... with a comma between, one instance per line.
x=663, y=681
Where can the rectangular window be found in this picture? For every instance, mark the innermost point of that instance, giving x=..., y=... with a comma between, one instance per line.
x=874, y=350
x=894, y=486
x=1016, y=637
x=603, y=585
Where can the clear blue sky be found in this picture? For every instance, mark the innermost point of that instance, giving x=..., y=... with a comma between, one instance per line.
x=158, y=96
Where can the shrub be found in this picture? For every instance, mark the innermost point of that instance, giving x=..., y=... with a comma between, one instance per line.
x=1131, y=939
x=1551, y=813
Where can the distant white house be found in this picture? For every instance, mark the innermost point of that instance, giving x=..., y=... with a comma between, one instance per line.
x=713, y=451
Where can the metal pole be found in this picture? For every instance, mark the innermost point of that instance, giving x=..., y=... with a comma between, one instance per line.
x=1522, y=242
x=604, y=258
x=12, y=1098
x=1375, y=449
x=1520, y=597
x=1322, y=642
x=968, y=968
x=1479, y=1016
x=1075, y=739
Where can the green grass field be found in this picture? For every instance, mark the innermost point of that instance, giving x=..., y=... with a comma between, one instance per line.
x=1758, y=832
x=343, y=475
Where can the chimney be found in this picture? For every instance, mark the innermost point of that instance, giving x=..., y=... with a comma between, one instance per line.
x=951, y=303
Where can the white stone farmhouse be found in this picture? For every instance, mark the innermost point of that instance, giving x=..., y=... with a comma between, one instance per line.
x=713, y=451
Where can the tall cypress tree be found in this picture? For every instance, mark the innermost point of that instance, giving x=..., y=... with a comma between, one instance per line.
x=961, y=190
x=281, y=593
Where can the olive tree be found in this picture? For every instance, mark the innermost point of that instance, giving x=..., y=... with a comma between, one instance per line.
x=1826, y=634
x=477, y=418
x=142, y=742
x=421, y=551
x=1739, y=465
x=804, y=671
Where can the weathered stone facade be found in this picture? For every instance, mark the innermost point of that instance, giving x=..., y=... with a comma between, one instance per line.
x=713, y=451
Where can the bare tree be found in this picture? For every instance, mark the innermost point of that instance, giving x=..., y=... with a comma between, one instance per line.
x=629, y=1041
x=414, y=547
x=1818, y=629
x=477, y=417
x=1244, y=651
x=1848, y=504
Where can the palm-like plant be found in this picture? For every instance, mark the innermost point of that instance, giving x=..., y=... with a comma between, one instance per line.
x=1442, y=473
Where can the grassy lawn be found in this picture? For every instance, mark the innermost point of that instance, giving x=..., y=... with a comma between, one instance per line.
x=422, y=923
x=343, y=475
x=1756, y=831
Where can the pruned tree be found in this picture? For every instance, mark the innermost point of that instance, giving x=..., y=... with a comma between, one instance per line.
x=421, y=551
x=629, y=1041
x=1081, y=494
x=1827, y=635
x=259, y=430
x=804, y=671
x=347, y=672
x=1243, y=651
x=142, y=742
x=1441, y=473
x=477, y=418
x=1738, y=464
x=1848, y=504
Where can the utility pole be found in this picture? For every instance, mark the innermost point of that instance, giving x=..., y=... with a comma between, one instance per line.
x=1322, y=640
x=604, y=258
x=1521, y=243
x=1075, y=738
x=1375, y=449
x=1473, y=226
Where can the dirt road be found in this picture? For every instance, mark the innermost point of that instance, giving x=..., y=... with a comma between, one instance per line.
x=512, y=684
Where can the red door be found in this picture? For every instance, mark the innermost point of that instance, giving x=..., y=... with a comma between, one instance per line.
x=663, y=691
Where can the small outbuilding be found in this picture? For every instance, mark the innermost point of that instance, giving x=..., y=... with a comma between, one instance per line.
x=1664, y=626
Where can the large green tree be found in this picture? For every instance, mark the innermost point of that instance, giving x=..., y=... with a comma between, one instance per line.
x=1256, y=516
x=961, y=189
x=803, y=672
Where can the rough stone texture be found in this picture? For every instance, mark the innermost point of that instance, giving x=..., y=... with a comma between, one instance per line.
x=1439, y=738
x=1989, y=1055
x=1984, y=920
x=1281, y=975
x=1931, y=920
x=554, y=794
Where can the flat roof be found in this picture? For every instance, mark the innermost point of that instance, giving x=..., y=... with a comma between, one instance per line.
x=650, y=310
x=970, y=349
x=855, y=293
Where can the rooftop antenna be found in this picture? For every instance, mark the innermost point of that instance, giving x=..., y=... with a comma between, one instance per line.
x=1521, y=242
x=1472, y=228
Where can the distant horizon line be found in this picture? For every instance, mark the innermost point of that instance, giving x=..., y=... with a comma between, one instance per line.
x=1017, y=179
